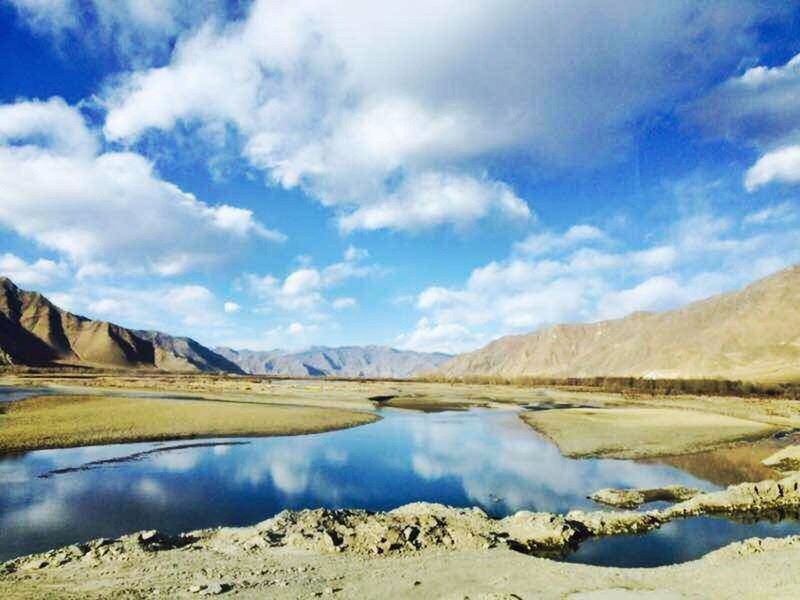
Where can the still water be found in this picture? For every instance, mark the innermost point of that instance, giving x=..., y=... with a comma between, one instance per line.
x=487, y=458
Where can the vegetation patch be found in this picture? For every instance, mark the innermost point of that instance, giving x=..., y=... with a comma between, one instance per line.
x=68, y=421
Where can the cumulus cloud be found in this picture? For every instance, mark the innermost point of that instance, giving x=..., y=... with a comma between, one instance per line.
x=443, y=337
x=781, y=165
x=759, y=108
x=434, y=199
x=231, y=307
x=547, y=242
x=701, y=255
x=137, y=30
x=344, y=303
x=303, y=289
x=194, y=308
x=329, y=97
x=37, y=273
x=105, y=209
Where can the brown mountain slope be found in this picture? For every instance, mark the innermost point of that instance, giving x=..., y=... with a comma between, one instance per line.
x=34, y=331
x=751, y=334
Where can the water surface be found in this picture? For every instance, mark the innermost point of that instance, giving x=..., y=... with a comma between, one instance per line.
x=482, y=457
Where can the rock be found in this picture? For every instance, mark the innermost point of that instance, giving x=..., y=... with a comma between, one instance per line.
x=147, y=537
x=216, y=588
x=34, y=565
x=535, y=532
x=599, y=523
x=633, y=498
x=786, y=460
x=753, y=498
x=99, y=543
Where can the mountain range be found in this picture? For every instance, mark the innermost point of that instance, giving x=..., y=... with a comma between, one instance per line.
x=34, y=331
x=750, y=334
x=346, y=361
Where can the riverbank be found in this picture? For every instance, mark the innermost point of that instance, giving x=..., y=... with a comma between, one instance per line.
x=581, y=423
x=419, y=550
x=86, y=420
x=758, y=569
x=634, y=432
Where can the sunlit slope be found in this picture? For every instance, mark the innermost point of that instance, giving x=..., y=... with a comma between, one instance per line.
x=750, y=334
x=34, y=331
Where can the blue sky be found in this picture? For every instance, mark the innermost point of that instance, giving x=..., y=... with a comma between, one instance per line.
x=427, y=175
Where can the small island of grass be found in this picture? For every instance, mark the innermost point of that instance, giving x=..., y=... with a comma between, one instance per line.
x=85, y=420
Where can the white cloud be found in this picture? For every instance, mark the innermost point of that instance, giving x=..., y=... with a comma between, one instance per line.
x=759, y=107
x=438, y=337
x=38, y=273
x=435, y=199
x=108, y=209
x=781, y=165
x=231, y=307
x=300, y=282
x=176, y=309
x=785, y=212
x=656, y=293
x=344, y=303
x=329, y=96
x=138, y=30
x=302, y=289
x=292, y=336
x=700, y=255
x=541, y=244
x=353, y=253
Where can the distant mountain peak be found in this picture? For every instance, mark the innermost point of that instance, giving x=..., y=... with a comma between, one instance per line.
x=342, y=361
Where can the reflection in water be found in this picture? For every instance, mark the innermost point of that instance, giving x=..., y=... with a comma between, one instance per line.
x=676, y=542
x=487, y=458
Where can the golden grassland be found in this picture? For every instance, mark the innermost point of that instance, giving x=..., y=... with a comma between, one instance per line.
x=759, y=416
x=641, y=432
x=74, y=420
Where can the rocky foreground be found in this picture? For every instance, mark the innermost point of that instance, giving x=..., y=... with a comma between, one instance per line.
x=405, y=552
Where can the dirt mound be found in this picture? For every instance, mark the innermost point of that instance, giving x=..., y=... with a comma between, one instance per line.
x=633, y=498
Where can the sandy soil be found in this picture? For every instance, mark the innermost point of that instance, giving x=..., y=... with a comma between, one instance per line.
x=68, y=421
x=416, y=551
x=758, y=569
x=641, y=432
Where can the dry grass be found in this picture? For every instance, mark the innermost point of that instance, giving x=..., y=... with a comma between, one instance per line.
x=640, y=432
x=68, y=421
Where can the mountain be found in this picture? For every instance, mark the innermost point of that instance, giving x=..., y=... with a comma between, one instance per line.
x=185, y=354
x=751, y=334
x=347, y=361
x=34, y=331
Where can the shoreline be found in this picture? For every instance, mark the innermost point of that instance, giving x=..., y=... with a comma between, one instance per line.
x=415, y=549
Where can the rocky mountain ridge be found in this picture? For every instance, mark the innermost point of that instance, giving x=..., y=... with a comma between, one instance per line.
x=34, y=331
x=750, y=334
x=345, y=361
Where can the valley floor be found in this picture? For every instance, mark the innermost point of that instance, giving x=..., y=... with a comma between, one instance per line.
x=581, y=424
